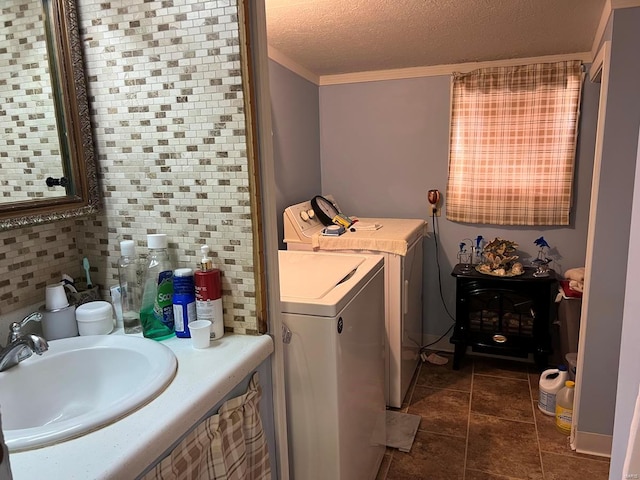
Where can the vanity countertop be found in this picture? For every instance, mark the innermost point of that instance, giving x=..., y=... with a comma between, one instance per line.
x=125, y=448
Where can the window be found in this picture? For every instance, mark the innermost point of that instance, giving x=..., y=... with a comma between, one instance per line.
x=512, y=145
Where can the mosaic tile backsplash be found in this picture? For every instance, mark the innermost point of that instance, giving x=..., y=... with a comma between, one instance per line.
x=165, y=92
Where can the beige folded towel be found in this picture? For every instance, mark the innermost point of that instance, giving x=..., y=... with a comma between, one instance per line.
x=576, y=278
x=576, y=274
x=576, y=285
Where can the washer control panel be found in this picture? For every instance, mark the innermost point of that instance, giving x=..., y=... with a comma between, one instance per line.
x=303, y=216
x=300, y=221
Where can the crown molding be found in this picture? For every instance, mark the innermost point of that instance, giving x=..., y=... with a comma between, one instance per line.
x=607, y=9
x=615, y=4
x=415, y=72
x=279, y=57
x=436, y=70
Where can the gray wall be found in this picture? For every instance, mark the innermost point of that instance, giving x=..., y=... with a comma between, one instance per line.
x=612, y=218
x=384, y=144
x=296, y=139
x=628, y=372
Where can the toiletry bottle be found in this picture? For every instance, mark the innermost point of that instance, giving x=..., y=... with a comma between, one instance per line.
x=551, y=382
x=156, y=311
x=209, y=294
x=130, y=286
x=564, y=407
x=184, y=301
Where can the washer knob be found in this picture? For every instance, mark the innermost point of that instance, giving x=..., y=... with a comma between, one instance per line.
x=304, y=216
x=311, y=213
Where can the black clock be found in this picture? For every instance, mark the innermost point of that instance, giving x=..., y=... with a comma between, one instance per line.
x=324, y=209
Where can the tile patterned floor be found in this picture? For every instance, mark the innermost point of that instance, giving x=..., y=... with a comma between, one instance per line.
x=482, y=423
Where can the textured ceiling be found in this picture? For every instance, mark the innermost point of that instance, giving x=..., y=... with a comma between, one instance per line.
x=344, y=36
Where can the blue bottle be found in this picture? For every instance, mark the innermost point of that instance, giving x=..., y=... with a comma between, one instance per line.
x=184, y=301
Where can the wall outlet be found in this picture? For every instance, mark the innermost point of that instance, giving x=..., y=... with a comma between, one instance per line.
x=433, y=197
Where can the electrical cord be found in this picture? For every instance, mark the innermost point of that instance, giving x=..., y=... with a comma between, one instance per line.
x=444, y=304
x=435, y=238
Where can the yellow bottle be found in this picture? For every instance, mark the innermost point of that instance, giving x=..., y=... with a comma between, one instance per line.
x=564, y=407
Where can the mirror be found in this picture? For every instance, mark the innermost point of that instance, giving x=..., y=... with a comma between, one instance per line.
x=47, y=165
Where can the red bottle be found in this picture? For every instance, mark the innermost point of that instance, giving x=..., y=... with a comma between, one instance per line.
x=208, y=283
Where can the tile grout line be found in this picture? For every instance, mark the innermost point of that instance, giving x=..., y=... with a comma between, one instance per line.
x=434, y=387
x=466, y=443
x=506, y=419
x=535, y=424
x=503, y=377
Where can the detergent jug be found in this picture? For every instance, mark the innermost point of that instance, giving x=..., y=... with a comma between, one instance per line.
x=551, y=381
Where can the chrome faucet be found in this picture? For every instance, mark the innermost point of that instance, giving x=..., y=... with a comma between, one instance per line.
x=20, y=347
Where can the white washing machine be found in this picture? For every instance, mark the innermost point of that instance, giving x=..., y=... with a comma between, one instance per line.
x=333, y=330
x=399, y=241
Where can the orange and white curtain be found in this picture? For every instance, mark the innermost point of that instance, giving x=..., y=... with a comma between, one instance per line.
x=513, y=143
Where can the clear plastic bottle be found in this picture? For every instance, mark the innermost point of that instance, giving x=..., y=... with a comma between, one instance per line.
x=564, y=407
x=156, y=311
x=130, y=286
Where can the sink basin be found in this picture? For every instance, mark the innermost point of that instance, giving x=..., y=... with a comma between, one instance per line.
x=79, y=385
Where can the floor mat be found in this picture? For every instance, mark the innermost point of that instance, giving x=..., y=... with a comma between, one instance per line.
x=401, y=430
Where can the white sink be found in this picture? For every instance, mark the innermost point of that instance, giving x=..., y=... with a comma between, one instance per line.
x=79, y=385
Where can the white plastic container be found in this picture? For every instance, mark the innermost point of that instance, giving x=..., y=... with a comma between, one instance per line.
x=551, y=382
x=564, y=407
x=572, y=362
x=95, y=318
x=59, y=323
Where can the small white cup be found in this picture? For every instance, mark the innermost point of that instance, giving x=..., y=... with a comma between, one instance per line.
x=200, y=330
x=55, y=297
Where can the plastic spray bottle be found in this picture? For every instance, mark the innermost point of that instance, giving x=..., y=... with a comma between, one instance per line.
x=156, y=311
x=208, y=285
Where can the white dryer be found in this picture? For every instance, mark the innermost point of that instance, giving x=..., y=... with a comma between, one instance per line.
x=333, y=325
x=399, y=241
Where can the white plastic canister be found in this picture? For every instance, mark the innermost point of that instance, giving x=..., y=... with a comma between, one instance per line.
x=551, y=381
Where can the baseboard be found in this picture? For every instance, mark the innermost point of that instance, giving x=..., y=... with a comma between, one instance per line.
x=592, y=443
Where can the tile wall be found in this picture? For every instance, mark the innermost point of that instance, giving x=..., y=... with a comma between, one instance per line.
x=165, y=92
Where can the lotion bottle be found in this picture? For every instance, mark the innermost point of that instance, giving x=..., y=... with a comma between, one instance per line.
x=208, y=285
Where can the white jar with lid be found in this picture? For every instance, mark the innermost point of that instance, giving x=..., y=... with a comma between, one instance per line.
x=95, y=318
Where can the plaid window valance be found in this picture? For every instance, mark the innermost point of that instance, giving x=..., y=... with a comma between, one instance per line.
x=512, y=145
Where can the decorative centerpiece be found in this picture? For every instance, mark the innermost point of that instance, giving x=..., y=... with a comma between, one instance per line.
x=500, y=259
x=542, y=262
x=465, y=257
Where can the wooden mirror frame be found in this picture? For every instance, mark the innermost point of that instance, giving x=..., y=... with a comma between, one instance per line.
x=70, y=85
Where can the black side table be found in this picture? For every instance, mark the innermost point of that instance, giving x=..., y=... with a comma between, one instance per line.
x=508, y=316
